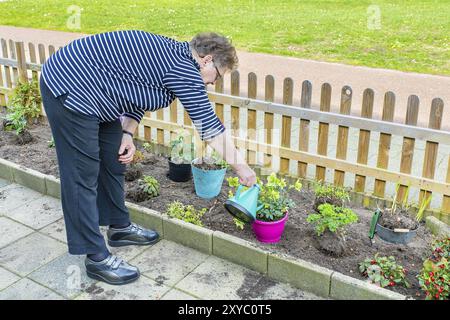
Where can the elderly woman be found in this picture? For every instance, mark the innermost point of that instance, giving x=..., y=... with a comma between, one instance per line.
x=87, y=87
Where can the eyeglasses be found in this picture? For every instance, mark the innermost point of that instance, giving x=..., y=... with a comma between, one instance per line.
x=218, y=75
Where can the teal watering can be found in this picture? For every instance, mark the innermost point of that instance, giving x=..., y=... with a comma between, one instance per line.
x=243, y=205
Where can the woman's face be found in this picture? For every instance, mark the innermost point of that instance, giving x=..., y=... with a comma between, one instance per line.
x=209, y=71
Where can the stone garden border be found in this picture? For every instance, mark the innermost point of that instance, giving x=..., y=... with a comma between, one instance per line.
x=304, y=275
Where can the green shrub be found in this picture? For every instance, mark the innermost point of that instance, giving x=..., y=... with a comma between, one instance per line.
x=384, y=271
x=23, y=105
x=186, y=213
x=328, y=193
x=332, y=218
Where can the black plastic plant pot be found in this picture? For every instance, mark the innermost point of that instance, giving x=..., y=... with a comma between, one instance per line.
x=398, y=236
x=179, y=172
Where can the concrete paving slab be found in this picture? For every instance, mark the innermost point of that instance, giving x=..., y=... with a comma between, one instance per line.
x=219, y=279
x=7, y=278
x=71, y=280
x=4, y=182
x=56, y=230
x=175, y=294
x=168, y=262
x=38, y=213
x=142, y=289
x=268, y=289
x=26, y=289
x=30, y=253
x=12, y=231
x=15, y=195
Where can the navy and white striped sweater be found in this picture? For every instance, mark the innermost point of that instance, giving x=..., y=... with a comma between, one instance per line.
x=117, y=73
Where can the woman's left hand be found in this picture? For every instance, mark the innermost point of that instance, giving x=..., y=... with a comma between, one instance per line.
x=128, y=146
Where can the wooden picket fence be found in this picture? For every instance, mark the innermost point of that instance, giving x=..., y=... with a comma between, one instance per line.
x=312, y=150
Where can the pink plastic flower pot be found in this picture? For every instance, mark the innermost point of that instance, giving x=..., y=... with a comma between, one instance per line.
x=269, y=232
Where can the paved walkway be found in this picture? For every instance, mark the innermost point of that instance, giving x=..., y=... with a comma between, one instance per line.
x=34, y=263
x=403, y=84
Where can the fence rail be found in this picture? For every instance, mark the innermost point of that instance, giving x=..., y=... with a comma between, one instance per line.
x=306, y=140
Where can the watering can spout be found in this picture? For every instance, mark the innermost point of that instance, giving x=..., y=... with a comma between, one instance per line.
x=243, y=205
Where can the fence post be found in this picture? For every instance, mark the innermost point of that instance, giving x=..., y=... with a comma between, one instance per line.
x=303, y=144
x=219, y=107
x=12, y=50
x=8, y=80
x=32, y=50
x=21, y=62
x=431, y=148
x=412, y=113
x=235, y=111
x=251, y=117
x=385, y=142
x=286, y=123
x=342, y=137
x=269, y=94
x=445, y=214
x=322, y=141
x=364, y=138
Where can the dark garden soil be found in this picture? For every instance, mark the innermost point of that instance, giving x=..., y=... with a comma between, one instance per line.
x=298, y=239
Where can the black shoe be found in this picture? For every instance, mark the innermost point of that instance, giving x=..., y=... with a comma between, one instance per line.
x=131, y=235
x=112, y=270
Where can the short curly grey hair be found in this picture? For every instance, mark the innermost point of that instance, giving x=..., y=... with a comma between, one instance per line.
x=221, y=49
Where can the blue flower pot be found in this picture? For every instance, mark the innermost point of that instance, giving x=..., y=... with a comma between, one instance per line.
x=207, y=183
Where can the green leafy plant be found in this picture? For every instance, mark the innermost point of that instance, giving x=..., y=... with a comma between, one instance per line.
x=384, y=271
x=434, y=278
x=217, y=159
x=332, y=218
x=150, y=186
x=185, y=212
x=147, y=147
x=328, y=193
x=23, y=105
x=51, y=143
x=239, y=224
x=233, y=182
x=182, y=151
x=274, y=196
x=440, y=249
x=137, y=157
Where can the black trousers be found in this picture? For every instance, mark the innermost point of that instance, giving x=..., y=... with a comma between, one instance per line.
x=92, y=178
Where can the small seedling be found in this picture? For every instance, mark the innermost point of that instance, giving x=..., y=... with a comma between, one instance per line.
x=181, y=150
x=150, y=186
x=137, y=157
x=51, y=143
x=186, y=213
x=148, y=147
x=239, y=224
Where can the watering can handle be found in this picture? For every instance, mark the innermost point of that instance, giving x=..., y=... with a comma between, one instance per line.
x=238, y=191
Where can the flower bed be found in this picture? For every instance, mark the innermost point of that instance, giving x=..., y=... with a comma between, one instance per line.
x=298, y=239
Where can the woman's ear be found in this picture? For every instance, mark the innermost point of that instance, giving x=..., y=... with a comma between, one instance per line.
x=207, y=59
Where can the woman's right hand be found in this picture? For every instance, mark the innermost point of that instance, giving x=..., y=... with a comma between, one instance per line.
x=247, y=176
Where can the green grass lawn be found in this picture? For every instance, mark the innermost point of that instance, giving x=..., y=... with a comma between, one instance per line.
x=414, y=35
